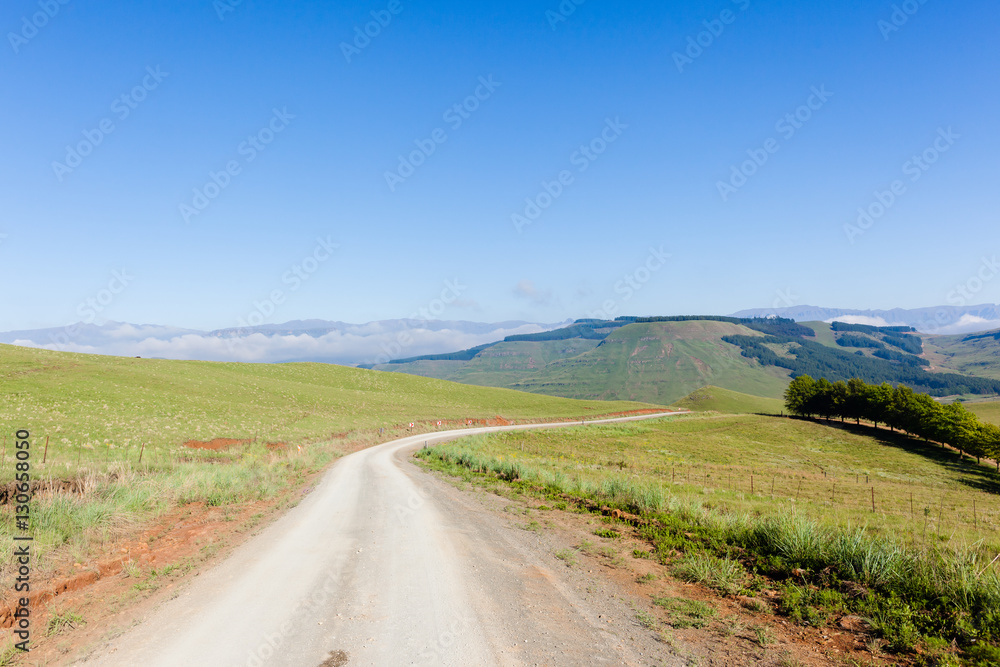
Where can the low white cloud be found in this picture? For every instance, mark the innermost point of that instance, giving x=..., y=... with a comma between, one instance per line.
x=968, y=324
x=335, y=347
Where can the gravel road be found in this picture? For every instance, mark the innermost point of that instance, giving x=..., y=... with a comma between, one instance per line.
x=383, y=565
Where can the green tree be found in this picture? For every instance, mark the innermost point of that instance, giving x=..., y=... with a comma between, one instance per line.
x=839, y=398
x=857, y=399
x=799, y=395
x=879, y=403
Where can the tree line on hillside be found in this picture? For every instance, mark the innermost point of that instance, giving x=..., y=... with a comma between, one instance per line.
x=809, y=358
x=901, y=357
x=854, y=340
x=909, y=344
x=875, y=337
x=897, y=407
x=868, y=328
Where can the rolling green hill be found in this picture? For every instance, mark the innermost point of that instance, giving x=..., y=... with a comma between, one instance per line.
x=988, y=411
x=662, y=360
x=85, y=402
x=655, y=362
x=971, y=354
x=716, y=399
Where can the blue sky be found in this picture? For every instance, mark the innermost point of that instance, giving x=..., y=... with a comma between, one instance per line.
x=554, y=86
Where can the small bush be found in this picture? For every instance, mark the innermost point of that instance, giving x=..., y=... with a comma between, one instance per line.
x=810, y=607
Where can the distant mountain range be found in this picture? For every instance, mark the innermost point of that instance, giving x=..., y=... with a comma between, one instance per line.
x=300, y=340
x=944, y=320
x=378, y=342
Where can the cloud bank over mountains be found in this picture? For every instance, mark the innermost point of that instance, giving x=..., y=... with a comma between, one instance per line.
x=942, y=320
x=309, y=340
x=378, y=342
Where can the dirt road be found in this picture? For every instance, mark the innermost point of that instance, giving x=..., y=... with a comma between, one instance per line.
x=381, y=564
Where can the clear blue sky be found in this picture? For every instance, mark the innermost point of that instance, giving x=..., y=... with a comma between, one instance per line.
x=657, y=184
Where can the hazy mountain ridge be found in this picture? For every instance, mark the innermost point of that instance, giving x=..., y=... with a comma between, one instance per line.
x=944, y=320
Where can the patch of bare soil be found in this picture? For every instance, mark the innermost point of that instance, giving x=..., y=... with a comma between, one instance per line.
x=216, y=444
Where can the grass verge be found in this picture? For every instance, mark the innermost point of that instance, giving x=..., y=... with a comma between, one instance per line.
x=913, y=594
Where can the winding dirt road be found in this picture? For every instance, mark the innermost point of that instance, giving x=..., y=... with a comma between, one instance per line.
x=381, y=564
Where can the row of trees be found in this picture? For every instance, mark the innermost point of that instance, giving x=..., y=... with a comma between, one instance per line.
x=899, y=408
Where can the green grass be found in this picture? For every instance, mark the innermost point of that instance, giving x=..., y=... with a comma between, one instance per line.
x=99, y=413
x=60, y=622
x=653, y=362
x=97, y=407
x=916, y=576
x=988, y=411
x=716, y=399
x=686, y=613
x=824, y=333
x=723, y=574
x=977, y=356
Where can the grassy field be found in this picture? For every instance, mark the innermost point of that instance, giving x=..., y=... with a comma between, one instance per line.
x=988, y=411
x=656, y=362
x=977, y=356
x=98, y=409
x=826, y=472
x=101, y=413
x=767, y=495
x=824, y=333
x=716, y=399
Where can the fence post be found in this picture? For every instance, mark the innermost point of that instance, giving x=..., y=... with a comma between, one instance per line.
x=45, y=454
x=873, y=500
x=141, y=450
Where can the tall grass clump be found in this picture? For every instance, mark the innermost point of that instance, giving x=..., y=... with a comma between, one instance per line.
x=723, y=574
x=867, y=560
x=795, y=538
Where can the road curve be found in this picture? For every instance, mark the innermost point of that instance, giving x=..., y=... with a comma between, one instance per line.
x=378, y=565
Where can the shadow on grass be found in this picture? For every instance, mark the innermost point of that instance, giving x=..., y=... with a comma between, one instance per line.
x=979, y=476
